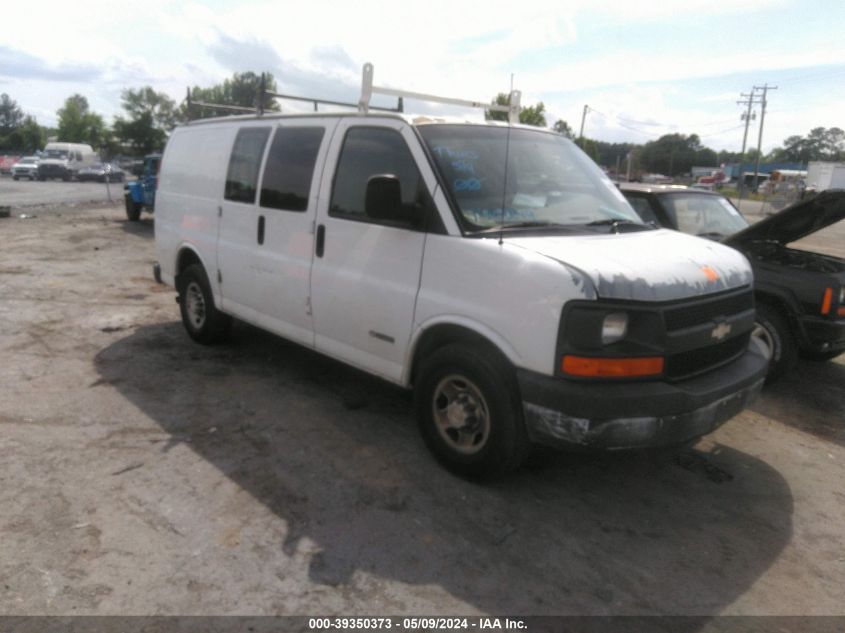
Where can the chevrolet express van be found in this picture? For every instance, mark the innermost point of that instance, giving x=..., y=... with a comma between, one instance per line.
x=492, y=268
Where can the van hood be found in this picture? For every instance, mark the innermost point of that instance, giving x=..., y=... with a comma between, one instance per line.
x=660, y=265
x=797, y=221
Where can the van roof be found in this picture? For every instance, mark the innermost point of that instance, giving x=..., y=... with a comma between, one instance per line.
x=411, y=119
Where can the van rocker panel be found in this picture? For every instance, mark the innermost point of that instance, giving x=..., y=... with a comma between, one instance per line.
x=620, y=415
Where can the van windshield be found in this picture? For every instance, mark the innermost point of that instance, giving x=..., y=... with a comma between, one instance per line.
x=55, y=153
x=549, y=181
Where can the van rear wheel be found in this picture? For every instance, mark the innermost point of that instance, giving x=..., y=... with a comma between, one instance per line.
x=469, y=411
x=202, y=320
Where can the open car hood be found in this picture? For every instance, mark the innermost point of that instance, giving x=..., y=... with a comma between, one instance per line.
x=797, y=221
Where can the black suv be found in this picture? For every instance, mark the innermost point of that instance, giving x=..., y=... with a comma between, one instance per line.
x=800, y=296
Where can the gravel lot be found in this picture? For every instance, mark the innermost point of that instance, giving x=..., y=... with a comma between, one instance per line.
x=144, y=474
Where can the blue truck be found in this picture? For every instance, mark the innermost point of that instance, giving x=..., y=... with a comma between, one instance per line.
x=140, y=194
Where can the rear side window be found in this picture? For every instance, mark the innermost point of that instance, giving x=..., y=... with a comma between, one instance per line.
x=367, y=152
x=244, y=163
x=643, y=208
x=290, y=168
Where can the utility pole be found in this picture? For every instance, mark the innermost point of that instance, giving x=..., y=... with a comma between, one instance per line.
x=746, y=116
x=765, y=88
x=583, y=117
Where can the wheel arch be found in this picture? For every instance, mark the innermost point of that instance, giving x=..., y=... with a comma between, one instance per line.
x=187, y=255
x=785, y=306
x=434, y=335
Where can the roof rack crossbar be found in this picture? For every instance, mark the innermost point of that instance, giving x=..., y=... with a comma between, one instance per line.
x=327, y=102
x=220, y=106
x=368, y=89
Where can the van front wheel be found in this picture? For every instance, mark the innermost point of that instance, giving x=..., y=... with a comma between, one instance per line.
x=469, y=411
x=202, y=320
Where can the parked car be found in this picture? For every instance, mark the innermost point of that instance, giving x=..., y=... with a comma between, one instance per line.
x=26, y=167
x=139, y=194
x=493, y=269
x=800, y=296
x=99, y=172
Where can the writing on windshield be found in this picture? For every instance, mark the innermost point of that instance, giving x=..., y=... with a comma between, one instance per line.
x=545, y=179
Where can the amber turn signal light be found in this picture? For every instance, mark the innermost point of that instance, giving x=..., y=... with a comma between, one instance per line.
x=611, y=367
x=828, y=297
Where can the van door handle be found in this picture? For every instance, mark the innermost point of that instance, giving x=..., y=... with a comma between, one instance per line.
x=260, y=229
x=321, y=240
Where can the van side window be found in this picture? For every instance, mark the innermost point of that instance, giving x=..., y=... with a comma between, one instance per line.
x=242, y=178
x=372, y=151
x=79, y=156
x=290, y=168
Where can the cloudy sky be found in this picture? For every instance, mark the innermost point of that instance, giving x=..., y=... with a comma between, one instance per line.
x=644, y=71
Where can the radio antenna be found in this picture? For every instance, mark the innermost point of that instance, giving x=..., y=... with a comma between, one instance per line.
x=505, y=185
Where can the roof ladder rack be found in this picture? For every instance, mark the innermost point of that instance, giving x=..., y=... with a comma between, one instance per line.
x=368, y=90
x=363, y=105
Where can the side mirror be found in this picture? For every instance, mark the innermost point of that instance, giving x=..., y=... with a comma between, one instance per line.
x=383, y=198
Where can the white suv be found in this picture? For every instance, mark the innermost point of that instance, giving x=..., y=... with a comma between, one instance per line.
x=491, y=268
x=26, y=167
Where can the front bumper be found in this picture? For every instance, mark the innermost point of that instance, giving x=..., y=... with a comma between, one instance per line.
x=824, y=335
x=607, y=415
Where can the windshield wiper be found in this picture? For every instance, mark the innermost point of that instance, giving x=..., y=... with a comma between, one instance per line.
x=616, y=223
x=529, y=224
x=711, y=234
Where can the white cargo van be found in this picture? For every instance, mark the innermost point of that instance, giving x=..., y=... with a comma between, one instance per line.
x=491, y=268
x=64, y=160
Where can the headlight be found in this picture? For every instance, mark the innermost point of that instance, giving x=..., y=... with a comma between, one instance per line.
x=614, y=328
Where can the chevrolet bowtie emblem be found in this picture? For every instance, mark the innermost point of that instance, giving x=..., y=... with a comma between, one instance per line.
x=720, y=331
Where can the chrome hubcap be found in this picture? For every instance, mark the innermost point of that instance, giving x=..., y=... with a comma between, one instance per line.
x=461, y=414
x=195, y=305
x=764, y=337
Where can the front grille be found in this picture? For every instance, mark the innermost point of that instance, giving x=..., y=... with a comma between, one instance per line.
x=686, y=364
x=702, y=312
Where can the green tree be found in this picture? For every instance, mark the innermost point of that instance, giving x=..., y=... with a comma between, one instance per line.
x=11, y=115
x=820, y=144
x=674, y=154
x=150, y=117
x=242, y=90
x=562, y=127
x=77, y=124
x=27, y=137
x=529, y=115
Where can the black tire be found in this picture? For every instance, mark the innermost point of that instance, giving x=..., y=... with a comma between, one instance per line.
x=820, y=357
x=133, y=209
x=476, y=383
x=773, y=329
x=15, y=177
x=202, y=320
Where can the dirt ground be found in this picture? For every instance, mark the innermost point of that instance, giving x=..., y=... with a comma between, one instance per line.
x=141, y=473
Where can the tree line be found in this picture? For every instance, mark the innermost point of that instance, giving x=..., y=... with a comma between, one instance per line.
x=677, y=154
x=148, y=116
